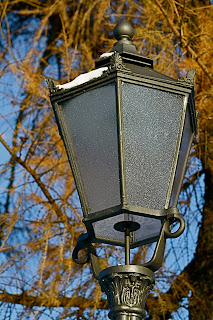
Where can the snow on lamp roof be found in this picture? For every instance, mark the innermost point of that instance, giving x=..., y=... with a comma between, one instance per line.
x=82, y=78
x=105, y=55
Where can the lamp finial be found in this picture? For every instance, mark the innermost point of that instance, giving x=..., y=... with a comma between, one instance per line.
x=123, y=33
x=123, y=30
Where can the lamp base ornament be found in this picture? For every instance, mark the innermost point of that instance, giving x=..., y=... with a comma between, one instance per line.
x=126, y=287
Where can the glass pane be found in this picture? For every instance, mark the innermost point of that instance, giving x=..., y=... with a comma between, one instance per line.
x=184, y=150
x=91, y=122
x=151, y=121
x=149, y=229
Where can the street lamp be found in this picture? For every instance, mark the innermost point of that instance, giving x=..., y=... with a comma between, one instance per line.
x=127, y=130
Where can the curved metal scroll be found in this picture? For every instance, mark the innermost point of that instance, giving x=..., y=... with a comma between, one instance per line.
x=155, y=263
x=84, y=243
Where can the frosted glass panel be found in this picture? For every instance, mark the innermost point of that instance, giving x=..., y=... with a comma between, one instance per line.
x=149, y=229
x=151, y=120
x=92, y=125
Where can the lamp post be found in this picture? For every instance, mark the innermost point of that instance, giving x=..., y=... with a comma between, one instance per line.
x=127, y=130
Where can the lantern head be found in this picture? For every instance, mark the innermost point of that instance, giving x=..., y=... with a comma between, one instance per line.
x=127, y=130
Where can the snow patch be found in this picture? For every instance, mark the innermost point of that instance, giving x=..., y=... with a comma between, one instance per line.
x=105, y=55
x=83, y=78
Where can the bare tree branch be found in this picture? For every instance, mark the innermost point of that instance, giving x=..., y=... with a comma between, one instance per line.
x=184, y=44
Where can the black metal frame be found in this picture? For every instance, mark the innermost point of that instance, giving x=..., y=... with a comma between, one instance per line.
x=117, y=74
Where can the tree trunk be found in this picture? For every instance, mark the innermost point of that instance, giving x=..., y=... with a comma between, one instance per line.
x=201, y=271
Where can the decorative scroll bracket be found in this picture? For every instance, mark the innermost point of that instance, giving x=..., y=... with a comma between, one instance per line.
x=189, y=79
x=91, y=256
x=52, y=87
x=157, y=259
x=116, y=63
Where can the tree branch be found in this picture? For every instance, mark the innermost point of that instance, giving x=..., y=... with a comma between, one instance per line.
x=184, y=43
x=37, y=179
x=44, y=300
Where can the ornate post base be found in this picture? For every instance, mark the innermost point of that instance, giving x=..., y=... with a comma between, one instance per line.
x=127, y=288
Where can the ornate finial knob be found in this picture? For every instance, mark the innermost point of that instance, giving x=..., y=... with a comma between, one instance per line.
x=123, y=30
